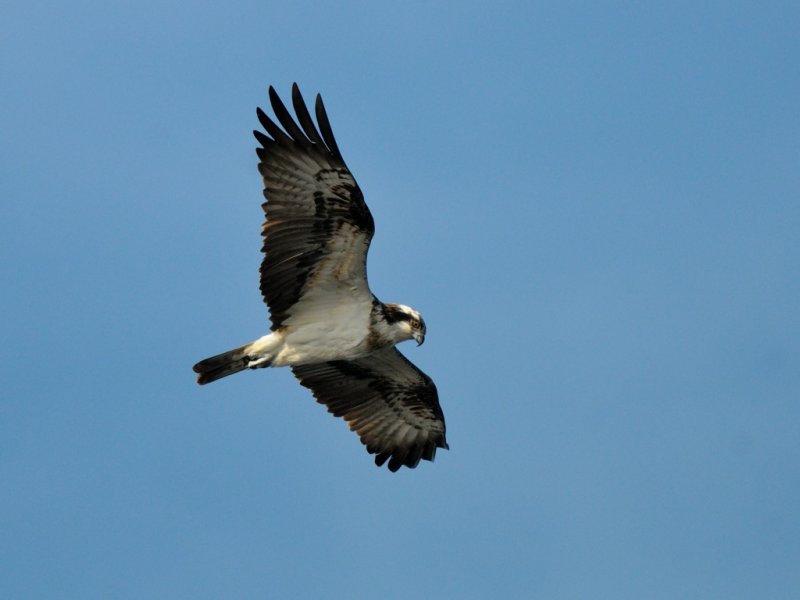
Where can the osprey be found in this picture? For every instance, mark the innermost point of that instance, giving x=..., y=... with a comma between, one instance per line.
x=337, y=337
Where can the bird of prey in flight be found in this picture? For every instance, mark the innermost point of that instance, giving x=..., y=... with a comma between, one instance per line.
x=336, y=336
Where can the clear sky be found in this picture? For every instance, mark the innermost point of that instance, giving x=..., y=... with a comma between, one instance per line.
x=596, y=207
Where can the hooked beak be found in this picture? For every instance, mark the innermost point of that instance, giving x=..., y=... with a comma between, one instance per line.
x=419, y=337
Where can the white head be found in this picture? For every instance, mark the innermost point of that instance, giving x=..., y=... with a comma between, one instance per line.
x=405, y=322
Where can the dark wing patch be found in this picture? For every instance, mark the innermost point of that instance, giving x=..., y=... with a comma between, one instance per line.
x=391, y=404
x=314, y=208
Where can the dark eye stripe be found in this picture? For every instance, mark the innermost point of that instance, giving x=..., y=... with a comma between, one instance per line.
x=392, y=314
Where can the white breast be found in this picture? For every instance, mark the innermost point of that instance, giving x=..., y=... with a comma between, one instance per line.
x=329, y=323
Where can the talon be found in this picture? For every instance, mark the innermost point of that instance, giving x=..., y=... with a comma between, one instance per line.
x=255, y=363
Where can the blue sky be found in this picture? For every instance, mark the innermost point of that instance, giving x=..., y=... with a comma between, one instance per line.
x=596, y=207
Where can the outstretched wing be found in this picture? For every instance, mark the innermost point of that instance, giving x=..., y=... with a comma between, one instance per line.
x=386, y=400
x=318, y=227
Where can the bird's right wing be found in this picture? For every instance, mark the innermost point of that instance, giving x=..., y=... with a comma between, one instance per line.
x=318, y=227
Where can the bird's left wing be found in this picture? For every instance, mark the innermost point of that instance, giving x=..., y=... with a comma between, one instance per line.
x=391, y=404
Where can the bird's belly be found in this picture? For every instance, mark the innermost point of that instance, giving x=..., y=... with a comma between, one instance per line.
x=339, y=334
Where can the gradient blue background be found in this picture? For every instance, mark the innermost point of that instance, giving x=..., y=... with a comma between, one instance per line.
x=596, y=206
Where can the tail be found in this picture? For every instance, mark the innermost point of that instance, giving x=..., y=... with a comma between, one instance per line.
x=222, y=365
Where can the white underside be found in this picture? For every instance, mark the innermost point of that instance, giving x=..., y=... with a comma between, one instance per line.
x=332, y=319
x=330, y=322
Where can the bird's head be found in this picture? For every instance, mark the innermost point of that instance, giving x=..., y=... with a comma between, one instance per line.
x=405, y=322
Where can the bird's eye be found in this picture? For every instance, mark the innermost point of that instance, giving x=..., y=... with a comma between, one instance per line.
x=415, y=324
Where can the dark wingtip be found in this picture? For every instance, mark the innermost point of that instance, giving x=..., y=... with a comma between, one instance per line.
x=273, y=95
x=262, y=139
x=296, y=95
x=263, y=118
x=325, y=127
x=285, y=119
